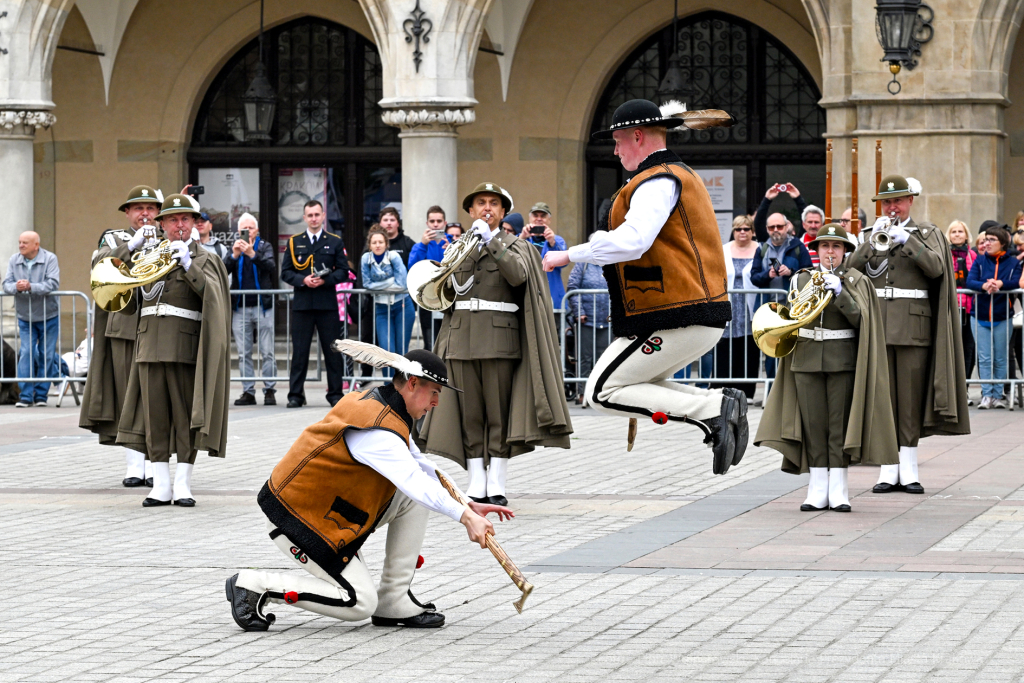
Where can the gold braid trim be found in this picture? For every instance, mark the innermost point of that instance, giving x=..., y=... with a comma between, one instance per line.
x=295, y=262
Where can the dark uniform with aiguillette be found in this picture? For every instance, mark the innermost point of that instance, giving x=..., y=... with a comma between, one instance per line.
x=917, y=290
x=314, y=307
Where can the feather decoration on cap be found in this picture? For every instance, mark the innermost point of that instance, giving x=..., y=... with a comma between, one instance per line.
x=914, y=185
x=672, y=108
x=377, y=357
x=194, y=202
x=160, y=196
x=706, y=118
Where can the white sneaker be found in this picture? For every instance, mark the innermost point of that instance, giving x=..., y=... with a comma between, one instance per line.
x=39, y=404
x=22, y=404
x=986, y=403
x=1000, y=403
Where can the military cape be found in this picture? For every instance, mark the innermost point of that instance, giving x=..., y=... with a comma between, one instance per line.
x=538, y=413
x=870, y=431
x=213, y=370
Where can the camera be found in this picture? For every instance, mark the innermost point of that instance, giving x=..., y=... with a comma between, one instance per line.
x=196, y=190
x=326, y=270
x=537, y=230
x=783, y=188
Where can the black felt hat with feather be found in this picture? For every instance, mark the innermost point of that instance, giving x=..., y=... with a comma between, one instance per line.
x=636, y=113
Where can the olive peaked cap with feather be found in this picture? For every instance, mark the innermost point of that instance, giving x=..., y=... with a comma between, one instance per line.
x=636, y=113
x=417, y=363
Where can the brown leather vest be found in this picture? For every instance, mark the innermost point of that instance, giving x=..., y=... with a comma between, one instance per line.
x=319, y=496
x=680, y=280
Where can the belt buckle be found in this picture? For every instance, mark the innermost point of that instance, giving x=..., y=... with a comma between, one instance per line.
x=161, y=311
x=474, y=305
x=888, y=293
x=819, y=334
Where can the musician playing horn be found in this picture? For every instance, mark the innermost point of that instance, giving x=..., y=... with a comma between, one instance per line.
x=346, y=476
x=829, y=404
x=913, y=276
x=663, y=259
x=181, y=360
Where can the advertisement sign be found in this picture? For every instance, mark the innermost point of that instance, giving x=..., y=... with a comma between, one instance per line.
x=295, y=187
x=229, y=192
x=718, y=182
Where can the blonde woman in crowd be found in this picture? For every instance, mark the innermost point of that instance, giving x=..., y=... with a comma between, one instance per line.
x=959, y=237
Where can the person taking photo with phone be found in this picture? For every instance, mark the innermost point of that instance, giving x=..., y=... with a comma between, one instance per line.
x=540, y=234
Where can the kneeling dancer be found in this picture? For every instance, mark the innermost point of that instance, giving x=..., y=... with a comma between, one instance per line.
x=347, y=475
x=663, y=259
x=829, y=405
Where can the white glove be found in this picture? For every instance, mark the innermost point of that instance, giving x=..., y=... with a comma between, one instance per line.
x=899, y=235
x=180, y=250
x=833, y=283
x=880, y=223
x=482, y=230
x=137, y=239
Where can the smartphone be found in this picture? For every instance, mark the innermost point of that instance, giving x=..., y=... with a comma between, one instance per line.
x=537, y=230
x=775, y=264
x=245, y=235
x=196, y=190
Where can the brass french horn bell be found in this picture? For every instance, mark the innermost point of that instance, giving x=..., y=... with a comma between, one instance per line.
x=775, y=325
x=113, y=281
x=429, y=281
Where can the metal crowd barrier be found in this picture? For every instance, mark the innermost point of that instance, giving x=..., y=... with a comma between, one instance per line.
x=992, y=349
x=50, y=338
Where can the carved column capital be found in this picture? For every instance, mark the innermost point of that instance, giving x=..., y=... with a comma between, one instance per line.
x=24, y=123
x=429, y=122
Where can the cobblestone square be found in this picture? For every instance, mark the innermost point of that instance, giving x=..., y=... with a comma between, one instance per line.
x=647, y=568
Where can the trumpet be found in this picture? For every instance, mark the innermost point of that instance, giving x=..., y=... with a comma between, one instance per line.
x=775, y=326
x=880, y=239
x=112, y=280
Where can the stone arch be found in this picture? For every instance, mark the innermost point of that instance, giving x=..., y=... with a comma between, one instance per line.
x=995, y=34
x=619, y=41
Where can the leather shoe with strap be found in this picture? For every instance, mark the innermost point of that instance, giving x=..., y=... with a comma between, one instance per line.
x=742, y=428
x=247, y=607
x=425, y=620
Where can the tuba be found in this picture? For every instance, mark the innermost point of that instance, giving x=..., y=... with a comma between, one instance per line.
x=429, y=282
x=112, y=280
x=775, y=326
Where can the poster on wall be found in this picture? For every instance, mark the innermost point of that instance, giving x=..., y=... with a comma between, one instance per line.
x=718, y=182
x=295, y=187
x=229, y=192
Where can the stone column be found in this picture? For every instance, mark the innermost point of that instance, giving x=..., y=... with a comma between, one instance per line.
x=428, y=52
x=17, y=173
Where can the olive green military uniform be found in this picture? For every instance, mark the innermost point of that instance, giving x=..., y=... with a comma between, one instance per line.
x=902, y=278
x=120, y=330
x=823, y=370
x=483, y=344
x=166, y=352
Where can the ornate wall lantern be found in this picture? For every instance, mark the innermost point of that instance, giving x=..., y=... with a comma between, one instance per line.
x=901, y=27
x=259, y=100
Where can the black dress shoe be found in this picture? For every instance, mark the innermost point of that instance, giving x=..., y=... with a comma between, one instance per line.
x=913, y=488
x=742, y=428
x=247, y=607
x=497, y=500
x=293, y=403
x=807, y=507
x=132, y=482
x=153, y=502
x=723, y=435
x=149, y=482
x=425, y=620
x=333, y=401
x=883, y=487
x=841, y=508
x=269, y=397
x=246, y=399
x=185, y=502
x=485, y=500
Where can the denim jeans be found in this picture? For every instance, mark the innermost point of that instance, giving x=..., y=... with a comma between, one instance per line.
x=992, y=354
x=394, y=326
x=38, y=357
x=243, y=321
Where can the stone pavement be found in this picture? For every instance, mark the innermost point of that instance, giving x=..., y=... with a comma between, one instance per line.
x=646, y=567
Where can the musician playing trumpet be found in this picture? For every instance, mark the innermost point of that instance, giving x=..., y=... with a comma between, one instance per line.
x=181, y=356
x=912, y=272
x=829, y=405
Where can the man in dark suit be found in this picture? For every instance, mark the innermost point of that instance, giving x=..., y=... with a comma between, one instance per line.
x=313, y=264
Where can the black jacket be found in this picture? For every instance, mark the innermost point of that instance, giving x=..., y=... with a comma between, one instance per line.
x=329, y=251
x=240, y=270
x=403, y=244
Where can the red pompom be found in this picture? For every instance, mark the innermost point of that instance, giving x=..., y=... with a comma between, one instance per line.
x=659, y=418
x=291, y=597
x=419, y=562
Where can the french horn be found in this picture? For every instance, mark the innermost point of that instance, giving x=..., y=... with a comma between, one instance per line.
x=113, y=281
x=775, y=325
x=429, y=282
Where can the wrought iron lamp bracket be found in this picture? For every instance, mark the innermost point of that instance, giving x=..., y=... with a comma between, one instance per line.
x=416, y=29
x=923, y=32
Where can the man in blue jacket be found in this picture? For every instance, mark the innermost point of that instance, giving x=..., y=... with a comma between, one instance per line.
x=540, y=234
x=431, y=247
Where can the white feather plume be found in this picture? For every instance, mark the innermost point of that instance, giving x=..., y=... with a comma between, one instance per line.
x=914, y=185
x=160, y=196
x=194, y=202
x=377, y=357
x=195, y=236
x=672, y=108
